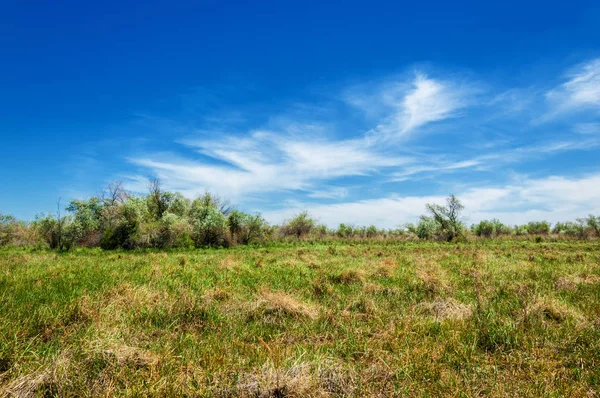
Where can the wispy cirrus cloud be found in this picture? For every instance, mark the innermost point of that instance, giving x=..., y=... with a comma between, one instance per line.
x=407, y=105
x=430, y=101
x=580, y=92
x=266, y=162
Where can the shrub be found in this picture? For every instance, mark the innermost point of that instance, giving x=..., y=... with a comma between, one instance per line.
x=538, y=227
x=447, y=219
x=371, y=231
x=298, y=226
x=158, y=200
x=179, y=205
x=593, y=223
x=521, y=230
x=345, y=231
x=253, y=229
x=576, y=229
x=208, y=225
x=87, y=218
x=484, y=229
x=246, y=228
x=426, y=228
x=8, y=229
x=175, y=231
x=57, y=232
x=489, y=229
x=126, y=219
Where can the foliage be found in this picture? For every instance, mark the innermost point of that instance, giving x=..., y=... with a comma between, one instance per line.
x=593, y=223
x=490, y=229
x=208, y=224
x=118, y=220
x=538, y=227
x=57, y=232
x=577, y=229
x=299, y=226
x=345, y=230
x=446, y=219
x=8, y=229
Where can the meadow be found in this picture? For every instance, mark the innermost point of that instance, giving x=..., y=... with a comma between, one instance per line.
x=503, y=317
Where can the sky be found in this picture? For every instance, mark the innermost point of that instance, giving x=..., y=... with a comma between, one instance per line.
x=358, y=112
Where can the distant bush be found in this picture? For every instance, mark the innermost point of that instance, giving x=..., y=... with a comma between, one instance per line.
x=442, y=223
x=8, y=229
x=209, y=225
x=246, y=228
x=521, y=230
x=57, y=232
x=490, y=229
x=538, y=227
x=87, y=219
x=175, y=231
x=299, y=226
x=593, y=223
x=122, y=229
x=576, y=229
x=345, y=231
x=371, y=231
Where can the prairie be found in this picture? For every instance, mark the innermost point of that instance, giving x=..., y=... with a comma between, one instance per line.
x=510, y=317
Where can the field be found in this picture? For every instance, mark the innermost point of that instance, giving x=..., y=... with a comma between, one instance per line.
x=493, y=318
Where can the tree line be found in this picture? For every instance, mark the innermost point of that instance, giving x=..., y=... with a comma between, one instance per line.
x=117, y=219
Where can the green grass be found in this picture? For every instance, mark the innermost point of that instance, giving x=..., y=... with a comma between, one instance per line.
x=499, y=318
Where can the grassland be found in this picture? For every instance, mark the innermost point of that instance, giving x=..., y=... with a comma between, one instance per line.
x=495, y=318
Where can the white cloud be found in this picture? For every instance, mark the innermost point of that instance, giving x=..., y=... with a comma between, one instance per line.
x=430, y=101
x=580, y=91
x=436, y=167
x=552, y=198
x=265, y=162
x=329, y=193
x=403, y=106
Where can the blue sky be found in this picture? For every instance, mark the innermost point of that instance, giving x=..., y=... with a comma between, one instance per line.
x=358, y=112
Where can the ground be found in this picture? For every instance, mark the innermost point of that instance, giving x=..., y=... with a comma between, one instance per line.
x=495, y=318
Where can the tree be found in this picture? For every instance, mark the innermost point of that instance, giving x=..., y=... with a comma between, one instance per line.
x=159, y=200
x=114, y=194
x=594, y=223
x=447, y=218
x=87, y=217
x=538, y=227
x=298, y=226
x=8, y=227
x=221, y=204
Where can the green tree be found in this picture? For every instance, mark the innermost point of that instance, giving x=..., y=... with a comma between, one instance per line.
x=447, y=218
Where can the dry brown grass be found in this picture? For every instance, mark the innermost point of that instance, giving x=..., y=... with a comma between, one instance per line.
x=42, y=382
x=550, y=309
x=350, y=276
x=443, y=309
x=571, y=283
x=217, y=294
x=124, y=355
x=434, y=278
x=229, y=262
x=298, y=380
x=280, y=303
x=386, y=268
